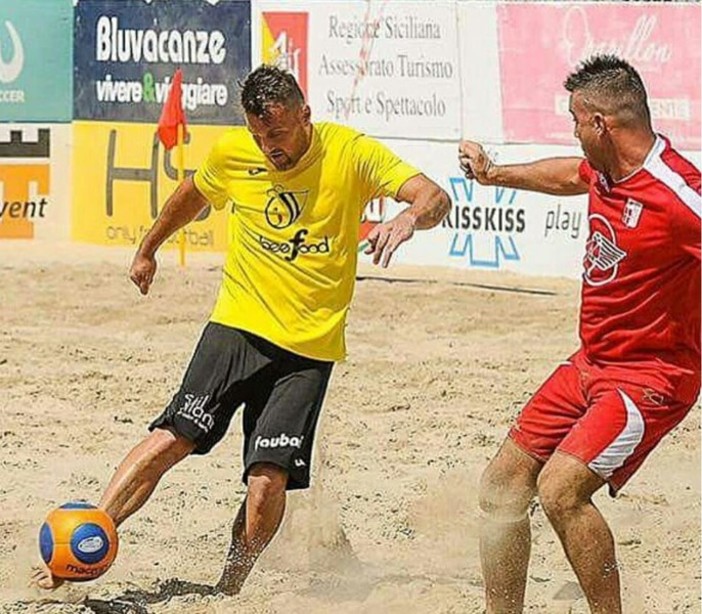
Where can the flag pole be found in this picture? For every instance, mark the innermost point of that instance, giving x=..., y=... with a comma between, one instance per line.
x=172, y=132
x=181, y=177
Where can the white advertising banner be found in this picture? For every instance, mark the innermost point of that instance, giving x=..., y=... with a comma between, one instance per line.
x=35, y=181
x=479, y=60
x=492, y=228
x=387, y=68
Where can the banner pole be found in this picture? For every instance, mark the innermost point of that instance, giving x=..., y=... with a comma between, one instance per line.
x=181, y=177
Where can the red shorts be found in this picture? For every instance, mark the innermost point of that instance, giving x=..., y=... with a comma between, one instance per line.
x=610, y=424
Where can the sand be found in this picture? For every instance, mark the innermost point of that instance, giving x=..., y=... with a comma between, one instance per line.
x=439, y=365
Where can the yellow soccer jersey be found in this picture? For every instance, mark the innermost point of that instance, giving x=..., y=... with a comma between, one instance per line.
x=293, y=235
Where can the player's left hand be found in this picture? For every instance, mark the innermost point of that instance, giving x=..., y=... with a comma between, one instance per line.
x=385, y=238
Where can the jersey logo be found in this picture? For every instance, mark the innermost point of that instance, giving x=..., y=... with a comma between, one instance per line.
x=602, y=255
x=284, y=207
x=632, y=213
x=295, y=246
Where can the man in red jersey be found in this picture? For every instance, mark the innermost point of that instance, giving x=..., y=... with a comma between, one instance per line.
x=637, y=373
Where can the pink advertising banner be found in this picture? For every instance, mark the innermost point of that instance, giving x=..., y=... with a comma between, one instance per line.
x=540, y=44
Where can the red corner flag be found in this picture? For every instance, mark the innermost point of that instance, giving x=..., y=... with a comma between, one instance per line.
x=172, y=114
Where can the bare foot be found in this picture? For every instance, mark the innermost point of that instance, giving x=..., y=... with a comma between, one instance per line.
x=43, y=578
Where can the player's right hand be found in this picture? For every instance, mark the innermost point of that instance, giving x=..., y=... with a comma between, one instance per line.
x=474, y=162
x=142, y=271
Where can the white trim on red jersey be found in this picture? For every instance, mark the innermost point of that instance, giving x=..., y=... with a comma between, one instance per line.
x=655, y=165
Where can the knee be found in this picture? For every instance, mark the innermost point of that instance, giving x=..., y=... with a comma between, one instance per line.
x=558, y=496
x=266, y=481
x=505, y=493
x=162, y=449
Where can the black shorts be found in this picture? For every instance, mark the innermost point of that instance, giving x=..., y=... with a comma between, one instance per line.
x=282, y=394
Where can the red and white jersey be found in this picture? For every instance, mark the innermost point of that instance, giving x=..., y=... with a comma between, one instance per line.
x=640, y=305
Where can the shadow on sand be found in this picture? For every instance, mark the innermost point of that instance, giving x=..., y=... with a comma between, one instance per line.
x=136, y=601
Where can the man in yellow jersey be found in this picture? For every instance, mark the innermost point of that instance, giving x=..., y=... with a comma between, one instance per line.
x=295, y=191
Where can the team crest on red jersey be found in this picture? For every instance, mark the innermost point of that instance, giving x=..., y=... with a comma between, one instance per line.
x=632, y=213
x=602, y=255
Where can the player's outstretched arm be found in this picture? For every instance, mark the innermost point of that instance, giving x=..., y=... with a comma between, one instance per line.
x=182, y=207
x=557, y=176
x=429, y=204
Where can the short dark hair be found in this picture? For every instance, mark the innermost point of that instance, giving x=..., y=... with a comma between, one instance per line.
x=269, y=85
x=612, y=86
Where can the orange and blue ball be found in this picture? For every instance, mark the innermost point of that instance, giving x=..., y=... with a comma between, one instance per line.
x=78, y=541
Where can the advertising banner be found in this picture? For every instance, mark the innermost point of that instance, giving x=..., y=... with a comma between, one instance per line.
x=386, y=68
x=540, y=44
x=36, y=51
x=126, y=52
x=34, y=181
x=491, y=228
x=481, y=95
x=130, y=177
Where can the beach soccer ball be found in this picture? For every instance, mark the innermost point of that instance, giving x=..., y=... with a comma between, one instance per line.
x=78, y=541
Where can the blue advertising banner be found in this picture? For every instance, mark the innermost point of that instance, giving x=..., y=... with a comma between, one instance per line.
x=36, y=52
x=126, y=52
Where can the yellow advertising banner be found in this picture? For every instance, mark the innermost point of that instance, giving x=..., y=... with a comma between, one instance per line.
x=24, y=179
x=17, y=209
x=122, y=177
